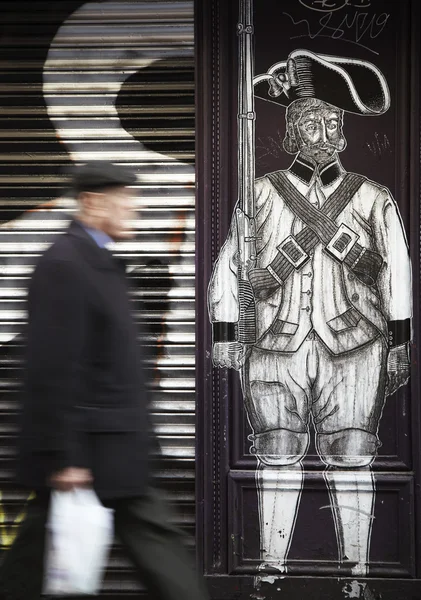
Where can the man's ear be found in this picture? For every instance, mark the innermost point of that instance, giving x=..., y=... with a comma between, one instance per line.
x=342, y=143
x=91, y=202
x=290, y=141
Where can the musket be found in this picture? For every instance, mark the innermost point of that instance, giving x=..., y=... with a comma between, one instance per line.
x=245, y=212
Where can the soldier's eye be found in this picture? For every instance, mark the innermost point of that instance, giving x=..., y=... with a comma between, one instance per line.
x=332, y=125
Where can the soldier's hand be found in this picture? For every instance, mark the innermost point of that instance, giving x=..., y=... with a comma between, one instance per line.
x=398, y=368
x=229, y=354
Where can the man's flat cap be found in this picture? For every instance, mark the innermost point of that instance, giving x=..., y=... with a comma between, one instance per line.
x=97, y=175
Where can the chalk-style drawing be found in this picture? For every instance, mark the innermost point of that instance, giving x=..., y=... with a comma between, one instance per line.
x=310, y=298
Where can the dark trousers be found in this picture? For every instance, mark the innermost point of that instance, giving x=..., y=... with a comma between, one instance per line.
x=153, y=543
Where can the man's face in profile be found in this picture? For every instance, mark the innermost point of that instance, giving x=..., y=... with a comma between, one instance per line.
x=318, y=132
x=119, y=205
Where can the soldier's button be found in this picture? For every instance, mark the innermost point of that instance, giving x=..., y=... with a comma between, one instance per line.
x=307, y=308
x=309, y=274
x=355, y=297
x=308, y=292
x=351, y=277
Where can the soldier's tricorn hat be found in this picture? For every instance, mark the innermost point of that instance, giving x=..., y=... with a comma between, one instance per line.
x=353, y=85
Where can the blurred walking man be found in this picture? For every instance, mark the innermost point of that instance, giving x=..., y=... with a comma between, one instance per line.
x=85, y=413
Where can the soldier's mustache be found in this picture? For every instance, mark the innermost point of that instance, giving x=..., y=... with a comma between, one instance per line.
x=324, y=146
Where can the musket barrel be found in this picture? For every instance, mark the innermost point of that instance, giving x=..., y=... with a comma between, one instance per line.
x=246, y=115
x=246, y=174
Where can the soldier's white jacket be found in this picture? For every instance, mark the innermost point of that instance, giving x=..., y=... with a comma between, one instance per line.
x=323, y=295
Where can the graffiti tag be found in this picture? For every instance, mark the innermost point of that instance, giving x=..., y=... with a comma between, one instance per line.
x=332, y=6
x=353, y=28
x=380, y=145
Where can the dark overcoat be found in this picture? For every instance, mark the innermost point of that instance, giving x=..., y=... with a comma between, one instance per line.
x=85, y=402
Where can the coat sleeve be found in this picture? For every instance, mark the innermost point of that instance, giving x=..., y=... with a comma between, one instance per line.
x=57, y=331
x=395, y=279
x=223, y=287
x=222, y=292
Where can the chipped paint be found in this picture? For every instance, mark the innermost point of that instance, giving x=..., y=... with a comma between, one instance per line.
x=353, y=589
x=271, y=578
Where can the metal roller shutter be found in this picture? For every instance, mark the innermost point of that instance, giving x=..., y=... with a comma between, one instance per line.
x=110, y=80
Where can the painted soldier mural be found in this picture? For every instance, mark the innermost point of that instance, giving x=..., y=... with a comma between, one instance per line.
x=310, y=300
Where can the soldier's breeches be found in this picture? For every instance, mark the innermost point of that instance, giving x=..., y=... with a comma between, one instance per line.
x=280, y=446
x=348, y=448
x=344, y=394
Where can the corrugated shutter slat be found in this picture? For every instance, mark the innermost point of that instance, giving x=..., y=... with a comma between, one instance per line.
x=118, y=84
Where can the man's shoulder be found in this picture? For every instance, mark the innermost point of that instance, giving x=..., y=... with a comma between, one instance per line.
x=62, y=249
x=61, y=256
x=58, y=268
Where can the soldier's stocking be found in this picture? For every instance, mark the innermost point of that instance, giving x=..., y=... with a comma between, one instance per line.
x=352, y=495
x=279, y=493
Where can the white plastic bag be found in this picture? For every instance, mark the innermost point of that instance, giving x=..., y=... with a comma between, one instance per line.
x=79, y=535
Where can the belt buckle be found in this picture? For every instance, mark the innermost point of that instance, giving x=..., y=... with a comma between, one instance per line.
x=342, y=243
x=293, y=252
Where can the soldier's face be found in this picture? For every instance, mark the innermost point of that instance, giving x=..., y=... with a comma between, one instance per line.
x=320, y=133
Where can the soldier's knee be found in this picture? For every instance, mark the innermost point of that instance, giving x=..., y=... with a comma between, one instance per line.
x=280, y=447
x=348, y=448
